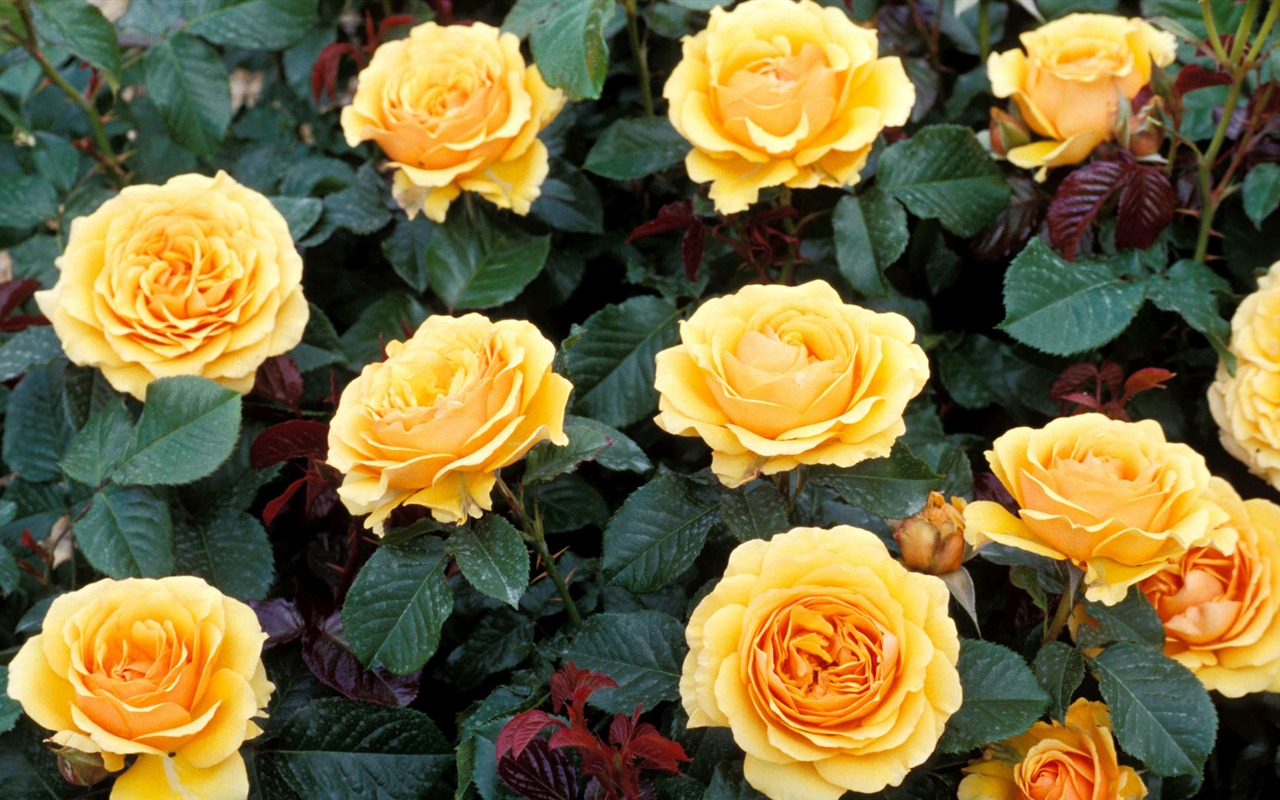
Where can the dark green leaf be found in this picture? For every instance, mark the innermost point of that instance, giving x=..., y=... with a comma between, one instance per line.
x=658, y=532
x=1001, y=697
x=1060, y=669
x=570, y=203
x=97, y=448
x=1132, y=620
x=896, y=486
x=229, y=549
x=396, y=606
x=253, y=24
x=10, y=575
x=392, y=317
x=589, y=440
x=188, y=83
x=978, y=371
x=81, y=28
x=641, y=650
x=569, y=503
x=481, y=265
x=943, y=173
x=9, y=709
x=870, y=232
x=301, y=213
x=569, y=47
x=189, y=426
x=1190, y=289
x=1261, y=192
x=26, y=200
x=36, y=431
x=127, y=533
x=57, y=159
x=753, y=511
x=406, y=249
x=493, y=558
x=361, y=207
x=28, y=348
x=634, y=147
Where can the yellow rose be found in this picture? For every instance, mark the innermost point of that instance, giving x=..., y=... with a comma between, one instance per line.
x=832, y=664
x=167, y=669
x=777, y=376
x=1074, y=761
x=195, y=277
x=777, y=92
x=1071, y=80
x=430, y=425
x=1220, y=611
x=455, y=108
x=1247, y=404
x=1112, y=497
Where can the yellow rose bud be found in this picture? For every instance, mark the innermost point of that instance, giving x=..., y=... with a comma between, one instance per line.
x=1070, y=81
x=167, y=670
x=777, y=376
x=933, y=540
x=777, y=92
x=196, y=277
x=431, y=425
x=456, y=109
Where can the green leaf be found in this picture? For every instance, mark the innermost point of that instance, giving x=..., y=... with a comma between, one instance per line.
x=753, y=511
x=978, y=371
x=1261, y=192
x=1064, y=308
x=589, y=440
x=301, y=213
x=943, y=173
x=658, y=532
x=570, y=203
x=26, y=200
x=361, y=207
x=36, y=431
x=569, y=47
x=1191, y=289
x=406, y=249
x=1060, y=669
x=396, y=606
x=641, y=650
x=569, y=503
x=481, y=265
x=493, y=558
x=188, y=83
x=634, y=147
x=1133, y=619
x=1171, y=738
x=229, y=549
x=1001, y=697
x=95, y=451
x=81, y=28
x=127, y=533
x=336, y=749
x=9, y=708
x=895, y=486
x=870, y=233
x=610, y=359
x=56, y=159
x=10, y=576
x=392, y=317
x=254, y=24
x=28, y=348
x=189, y=426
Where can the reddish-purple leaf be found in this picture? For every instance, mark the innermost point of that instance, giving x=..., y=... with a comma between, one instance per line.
x=296, y=438
x=1079, y=200
x=277, y=504
x=540, y=773
x=655, y=751
x=1083, y=401
x=279, y=380
x=1145, y=379
x=1074, y=378
x=14, y=293
x=1111, y=376
x=570, y=685
x=329, y=657
x=1194, y=76
x=577, y=738
x=522, y=729
x=671, y=217
x=1013, y=226
x=691, y=247
x=279, y=619
x=1146, y=206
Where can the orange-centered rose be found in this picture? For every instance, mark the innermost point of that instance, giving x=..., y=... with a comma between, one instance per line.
x=777, y=376
x=1246, y=406
x=777, y=92
x=169, y=670
x=1220, y=611
x=1112, y=497
x=195, y=277
x=456, y=109
x=1070, y=82
x=1071, y=761
x=431, y=425
x=832, y=664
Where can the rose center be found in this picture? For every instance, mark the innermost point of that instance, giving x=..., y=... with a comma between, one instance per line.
x=828, y=649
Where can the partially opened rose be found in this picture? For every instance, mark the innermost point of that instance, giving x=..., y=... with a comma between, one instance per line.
x=831, y=663
x=1112, y=497
x=456, y=109
x=777, y=92
x=1070, y=81
x=777, y=376
x=169, y=670
x=196, y=277
x=1075, y=760
x=433, y=423
x=1221, y=612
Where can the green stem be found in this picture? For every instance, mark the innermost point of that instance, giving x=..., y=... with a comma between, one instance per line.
x=1065, y=604
x=1211, y=26
x=1208, y=203
x=1268, y=22
x=984, y=30
x=639, y=53
x=789, y=224
x=1242, y=33
x=535, y=536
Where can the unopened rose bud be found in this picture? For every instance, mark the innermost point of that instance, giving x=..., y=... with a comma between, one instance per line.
x=80, y=768
x=1007, y=132
x=933, y=540
x=1145, y=134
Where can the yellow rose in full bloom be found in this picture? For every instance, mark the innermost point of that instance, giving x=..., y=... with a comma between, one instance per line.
x=777, y=376
x=1070, y=81
x=1246, y=406
x=196, y=277
x=778, y=92
x=833, y=665
x=1220, y=611
x=1071, y=761
x=456, y=109
x=167, y=669
x=1112, y=497
x=430, y=425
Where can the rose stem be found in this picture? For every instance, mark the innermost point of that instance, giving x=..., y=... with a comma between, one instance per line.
x=789, y=225
x=641, y=55
x=1065, y=604
x=534, y=535
x=984, y=30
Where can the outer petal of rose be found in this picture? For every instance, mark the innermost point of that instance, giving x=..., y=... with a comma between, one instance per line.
x=736, y=182
x=164, y=778
x=986, y=787
x=986, y=520
x=512, y=184
x=45, y=696
x=224, y=733
x=1007, y=71
x=1056, y=154
x=789, y=781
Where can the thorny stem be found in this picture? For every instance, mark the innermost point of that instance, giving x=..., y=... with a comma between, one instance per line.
x=641, y=56
x=1065, y=604
x=534, y=535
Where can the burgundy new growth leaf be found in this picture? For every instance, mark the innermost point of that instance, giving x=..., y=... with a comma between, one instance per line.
x=673, y=217
x=1086, y=387
x=1145, y=208
x=1078, y=202
x=14, y=293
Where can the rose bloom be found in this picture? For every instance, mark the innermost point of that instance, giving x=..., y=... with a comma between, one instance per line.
x=456, y=109
x=1246, y=406
x=1072, y=761
x=782, y=93
x=777, y=376
x=1070, y=82
x=167, y=669
x=195, y=277
x=431, y=425
x=1220, y=611
x=1112, y=497
x=832, y=664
